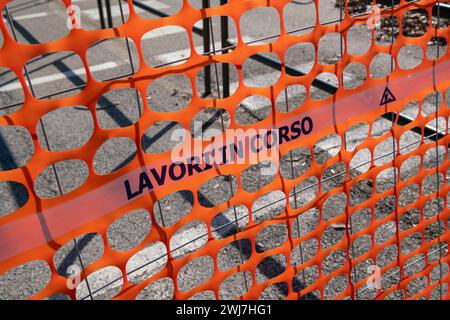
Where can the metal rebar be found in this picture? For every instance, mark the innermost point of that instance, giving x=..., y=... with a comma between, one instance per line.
x=224, y=41
x=100, y=13
x=108, y=13
x=206, y=48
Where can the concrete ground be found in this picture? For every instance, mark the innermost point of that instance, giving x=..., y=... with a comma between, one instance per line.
x=72, y=127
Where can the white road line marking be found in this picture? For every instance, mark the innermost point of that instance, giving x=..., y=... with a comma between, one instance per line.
x=172, y=56
x=29, y=16
x=163, y=31
x=115, y=10
x=180, y=54
x=59, y=76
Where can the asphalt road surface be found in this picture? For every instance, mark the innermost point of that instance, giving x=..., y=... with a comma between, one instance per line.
x=71, y=127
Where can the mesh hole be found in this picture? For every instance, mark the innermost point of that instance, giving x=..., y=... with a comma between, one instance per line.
x=71, y=173
x=147, y=262
x=119, y=108
x=334, y=206
x=360, y=163
x=304, y=252
x=330, y=12
x=334, y=261
x=360, y=220
x=170, y=93
x=411, y=243
x=356, y=135
x=409, y=57
x=208, y=123
x=91, y=248
x=291, y=98
x=276, y=291
x=163, y=8
x=384, y=207
x=331, y=236
x=359, y=39
x=173, y=53
x=163, y=136
x=90, y=17
x=216, y=90
x=409, y=194
x=104, y=284
x=268, y=206
x=386, y=179
x=230, y=256
x=195, y=272
x=229, y=221
x=385, y=232
x=330, y=83
x=114, y=154
x=13, y=196
x=335, y=286
x=386, y=31
x=410, y=168
x=270, y=267
x=200, y=28
x=252, y=110
x=217, y=190
x=260, y=23
x=303, y=193
x=305, y=278
x=360, y=246
x=204, y=295
x=235, y=285
x=188, y=239
x=129, y=230
x=66, y=128
x=355, y=74
x=16, y=147
x=299, y=17
x=258, y=176
x=305, y=223
x=25, y=280
x=326, y=148
x=291, y=168
x=257, y=73
x=11, y=92
x=170, y=209
x=102, y=69
x=161, y=289
x=271, y=237
x=333, y=176
x=436, y=48
x=24, y=21
x=299, y=59
x=330, y=47
x=381, y=65
x=415, y=23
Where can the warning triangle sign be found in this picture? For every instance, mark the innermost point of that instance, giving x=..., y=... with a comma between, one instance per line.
x=387, y=97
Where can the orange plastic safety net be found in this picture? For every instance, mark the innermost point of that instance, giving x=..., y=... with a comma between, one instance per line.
x=42, y=226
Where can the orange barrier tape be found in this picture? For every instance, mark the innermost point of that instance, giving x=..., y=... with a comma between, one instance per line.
x=42, y=226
